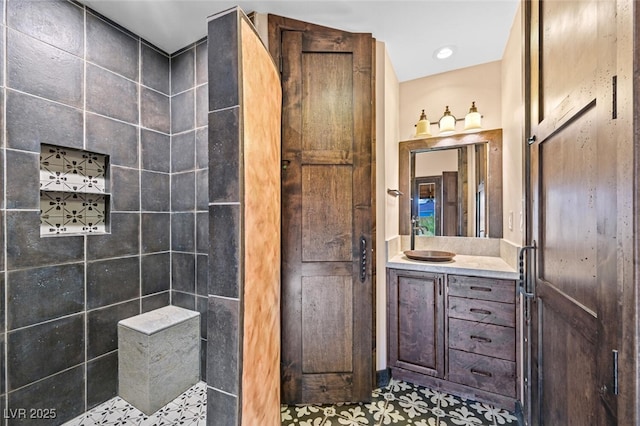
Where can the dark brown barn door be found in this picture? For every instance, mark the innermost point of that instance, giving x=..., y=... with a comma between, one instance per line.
x=327, y=341
x=572, y=213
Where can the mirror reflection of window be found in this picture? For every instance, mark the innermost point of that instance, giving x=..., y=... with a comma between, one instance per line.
x=427, y=209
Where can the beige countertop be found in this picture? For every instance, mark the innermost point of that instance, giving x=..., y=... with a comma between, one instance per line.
x=478, y=266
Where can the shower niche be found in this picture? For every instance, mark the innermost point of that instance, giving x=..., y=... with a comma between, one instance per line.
x=73, y=191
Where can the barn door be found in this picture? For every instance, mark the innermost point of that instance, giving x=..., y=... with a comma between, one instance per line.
x=327, y=341
x=572, y=212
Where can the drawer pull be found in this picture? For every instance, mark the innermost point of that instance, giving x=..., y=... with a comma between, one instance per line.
x=475, y=288
x=479, y=311
x=481, y=373
x=481, y=339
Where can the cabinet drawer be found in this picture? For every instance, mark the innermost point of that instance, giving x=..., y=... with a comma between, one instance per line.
x=482, y=288
x=484, y=339
x=482, y=311
x=483, y=372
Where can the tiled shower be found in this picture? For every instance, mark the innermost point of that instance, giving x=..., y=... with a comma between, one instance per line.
x=73, y=80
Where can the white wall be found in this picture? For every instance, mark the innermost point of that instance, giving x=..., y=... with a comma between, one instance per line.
x=513, y=132
x=433, y=163
x=457, y=89
x=387, y=207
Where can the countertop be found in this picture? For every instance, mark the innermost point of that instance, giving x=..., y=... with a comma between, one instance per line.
x=478, y=266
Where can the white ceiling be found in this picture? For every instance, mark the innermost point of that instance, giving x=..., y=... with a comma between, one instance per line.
x=411, y=30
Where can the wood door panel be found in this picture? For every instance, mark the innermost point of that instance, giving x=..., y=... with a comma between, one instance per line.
x=327, y=102
x=327, y=324
x=568, y=239
x=568, y=62
x=573, y=189
x=568, y=386
x=327, y=296
x=327, y=217
x=417, y=321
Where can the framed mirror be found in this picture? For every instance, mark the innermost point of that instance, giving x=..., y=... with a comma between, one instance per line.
x=452, y=185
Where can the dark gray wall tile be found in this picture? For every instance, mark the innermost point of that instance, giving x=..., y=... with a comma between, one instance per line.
x=111, y=95
x=202, y=233
x=155, y=110
x=156, y=273
x=156, y=232
x=223, y=62
x=183, y=112
x=41, y=294
x=3, y=388
x=111, y=48
x=183, y=152
x=224, y=256
x=2, y=306
x=36, y=352
x=156, y=301
x=112, y=281
x=203, y=360
x=156, y=151
x=183, y=300
x=201, y=64
x=183, y=192
x=125, y=189
x=35, y=67
x=122, y=241
x=23, y=180
x=59, y=23
x=102, y=327
x=202, y=274
x=182, y=232
x=202, y=148
x=32, y=121
x=25, y=247
x=154, y=193
x=64, y=392
x=183, y=272
x=155, y=69
x=202, y=106
x=224, y=156
x=102, y=379
x=222, y=344
x=202, y=305
x=202, y=189
x=183, y=71
x=114, y=138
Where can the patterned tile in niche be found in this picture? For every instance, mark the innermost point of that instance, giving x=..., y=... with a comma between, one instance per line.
x=63, y=169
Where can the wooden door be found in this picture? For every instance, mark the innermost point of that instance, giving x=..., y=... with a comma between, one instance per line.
x=450, y=222
x=572, y=212
x=327, y=298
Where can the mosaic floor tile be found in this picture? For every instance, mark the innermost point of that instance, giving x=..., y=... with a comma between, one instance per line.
x=399, y=403
x=189, y=409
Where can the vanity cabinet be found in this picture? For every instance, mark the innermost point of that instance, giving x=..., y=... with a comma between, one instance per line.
x=416, y=317
x=455, y=333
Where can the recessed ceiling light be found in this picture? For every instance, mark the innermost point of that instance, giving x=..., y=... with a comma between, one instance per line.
x=444, y=52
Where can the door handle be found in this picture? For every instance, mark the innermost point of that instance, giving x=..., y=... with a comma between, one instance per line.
x=522, y=282
x=363, y=259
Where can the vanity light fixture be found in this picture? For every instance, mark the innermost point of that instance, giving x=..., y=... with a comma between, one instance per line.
x=447, y=123
x=422, y=128
x=473, y=120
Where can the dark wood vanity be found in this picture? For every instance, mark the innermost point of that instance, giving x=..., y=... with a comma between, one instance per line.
x=456, y=333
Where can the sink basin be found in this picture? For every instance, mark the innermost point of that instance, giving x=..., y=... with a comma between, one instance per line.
x=430, y=255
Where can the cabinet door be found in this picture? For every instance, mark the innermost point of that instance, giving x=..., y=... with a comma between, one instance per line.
x=416, y=321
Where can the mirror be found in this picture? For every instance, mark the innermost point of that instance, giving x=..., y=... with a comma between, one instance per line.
x=452, y=185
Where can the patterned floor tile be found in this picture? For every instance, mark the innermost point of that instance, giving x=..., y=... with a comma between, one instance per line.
x=188, y=409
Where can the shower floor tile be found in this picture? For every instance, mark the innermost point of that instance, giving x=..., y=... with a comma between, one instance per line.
x=399, y=403
x=189, y=409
